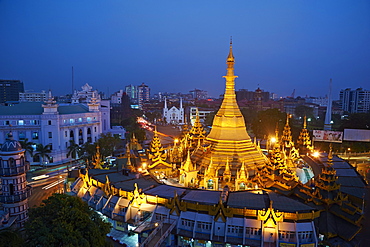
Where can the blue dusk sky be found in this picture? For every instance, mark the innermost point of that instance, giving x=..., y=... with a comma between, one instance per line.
x=178, y=45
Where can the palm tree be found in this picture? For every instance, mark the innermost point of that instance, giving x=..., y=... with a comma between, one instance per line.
x=43, y=152
x=28, y=146
x=73, y=150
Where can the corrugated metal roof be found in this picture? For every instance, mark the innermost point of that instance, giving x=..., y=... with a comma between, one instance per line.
x=202, y=196
x=35, y=108
x=165, y=191
x=245, y=199
x=24, y=108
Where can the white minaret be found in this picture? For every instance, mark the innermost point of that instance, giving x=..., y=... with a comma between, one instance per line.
x=327, y=123
x=165, y=111
x=181, y=115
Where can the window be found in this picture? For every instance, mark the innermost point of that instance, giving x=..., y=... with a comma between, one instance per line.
x=49, y=122
x=71, y=120
x=22, y=135
x=80, y=119
x=287, y=236
x=20, y=122
x=35, y=135
x=50, y=134
x=34, y=122
x=65, y=134
x=88, y=119
x=7, y=122
x=95, y=129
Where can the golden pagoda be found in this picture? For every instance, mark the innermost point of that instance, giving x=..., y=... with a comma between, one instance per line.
x=304, y=140
x=228, y=142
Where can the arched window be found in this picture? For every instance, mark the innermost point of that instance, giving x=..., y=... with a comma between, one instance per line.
x=210, y=184
x=11, y=162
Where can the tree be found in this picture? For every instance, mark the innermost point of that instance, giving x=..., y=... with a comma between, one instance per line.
x=73, y=150
x=64, y=220
x=10, y=238
x=356, y=121
x=43, y=152
x=28, y=146
x=209, y=118
x=264, y=124
x=303, y=110
x=86, y=151
x=108, y=143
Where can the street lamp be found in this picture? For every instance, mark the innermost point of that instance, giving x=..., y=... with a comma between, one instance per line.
x=59, y=181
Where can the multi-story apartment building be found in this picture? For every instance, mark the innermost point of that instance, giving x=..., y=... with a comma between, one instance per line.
x=355, y=101
x=116, y=97
x=199, y=94
x=143, y=94
x=32, y=96
x=131, y=91
x=10, y=89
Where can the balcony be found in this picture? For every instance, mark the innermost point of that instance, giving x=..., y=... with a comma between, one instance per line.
x=9, y=199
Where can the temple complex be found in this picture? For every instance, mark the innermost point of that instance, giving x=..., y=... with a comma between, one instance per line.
x=220, y=189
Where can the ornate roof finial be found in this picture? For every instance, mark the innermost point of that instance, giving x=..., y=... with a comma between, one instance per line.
x=330, y=155
x=305, y=122
x=230, y=57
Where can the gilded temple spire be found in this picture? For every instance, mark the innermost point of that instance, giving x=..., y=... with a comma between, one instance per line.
x=228, y=138
x=304, y=141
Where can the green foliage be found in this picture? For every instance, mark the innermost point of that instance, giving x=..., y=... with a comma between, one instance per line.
x=249, y=116
x=64, y=220
x=43, y=152
x=27, y=145
x=10, y=238
x=264, y=124
x=86, y=151
x=303, y=110
x=356, y=121
x=108, y=143
x=73, y=150
x=209, y=118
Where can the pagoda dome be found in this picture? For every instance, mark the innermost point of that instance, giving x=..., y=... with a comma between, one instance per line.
x=11, y=145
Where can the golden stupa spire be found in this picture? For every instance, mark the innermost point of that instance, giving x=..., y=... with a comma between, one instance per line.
x=188, y=165
x=242, y=172
x=228, y=138
x=227, y=172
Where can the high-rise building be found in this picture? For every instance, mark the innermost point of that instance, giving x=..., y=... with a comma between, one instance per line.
x=131, y=92
x=355, y=101
x=10, y=89
x=143, y=93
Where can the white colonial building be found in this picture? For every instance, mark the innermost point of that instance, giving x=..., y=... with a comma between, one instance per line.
x=55, y=124
x=173, y=115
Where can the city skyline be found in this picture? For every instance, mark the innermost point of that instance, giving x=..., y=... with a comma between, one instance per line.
x=176, y=47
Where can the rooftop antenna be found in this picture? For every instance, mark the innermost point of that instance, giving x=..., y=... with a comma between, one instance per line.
x=72, y=81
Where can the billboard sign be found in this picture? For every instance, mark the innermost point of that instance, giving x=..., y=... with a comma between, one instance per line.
x=360, y=135
x=327, y=136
